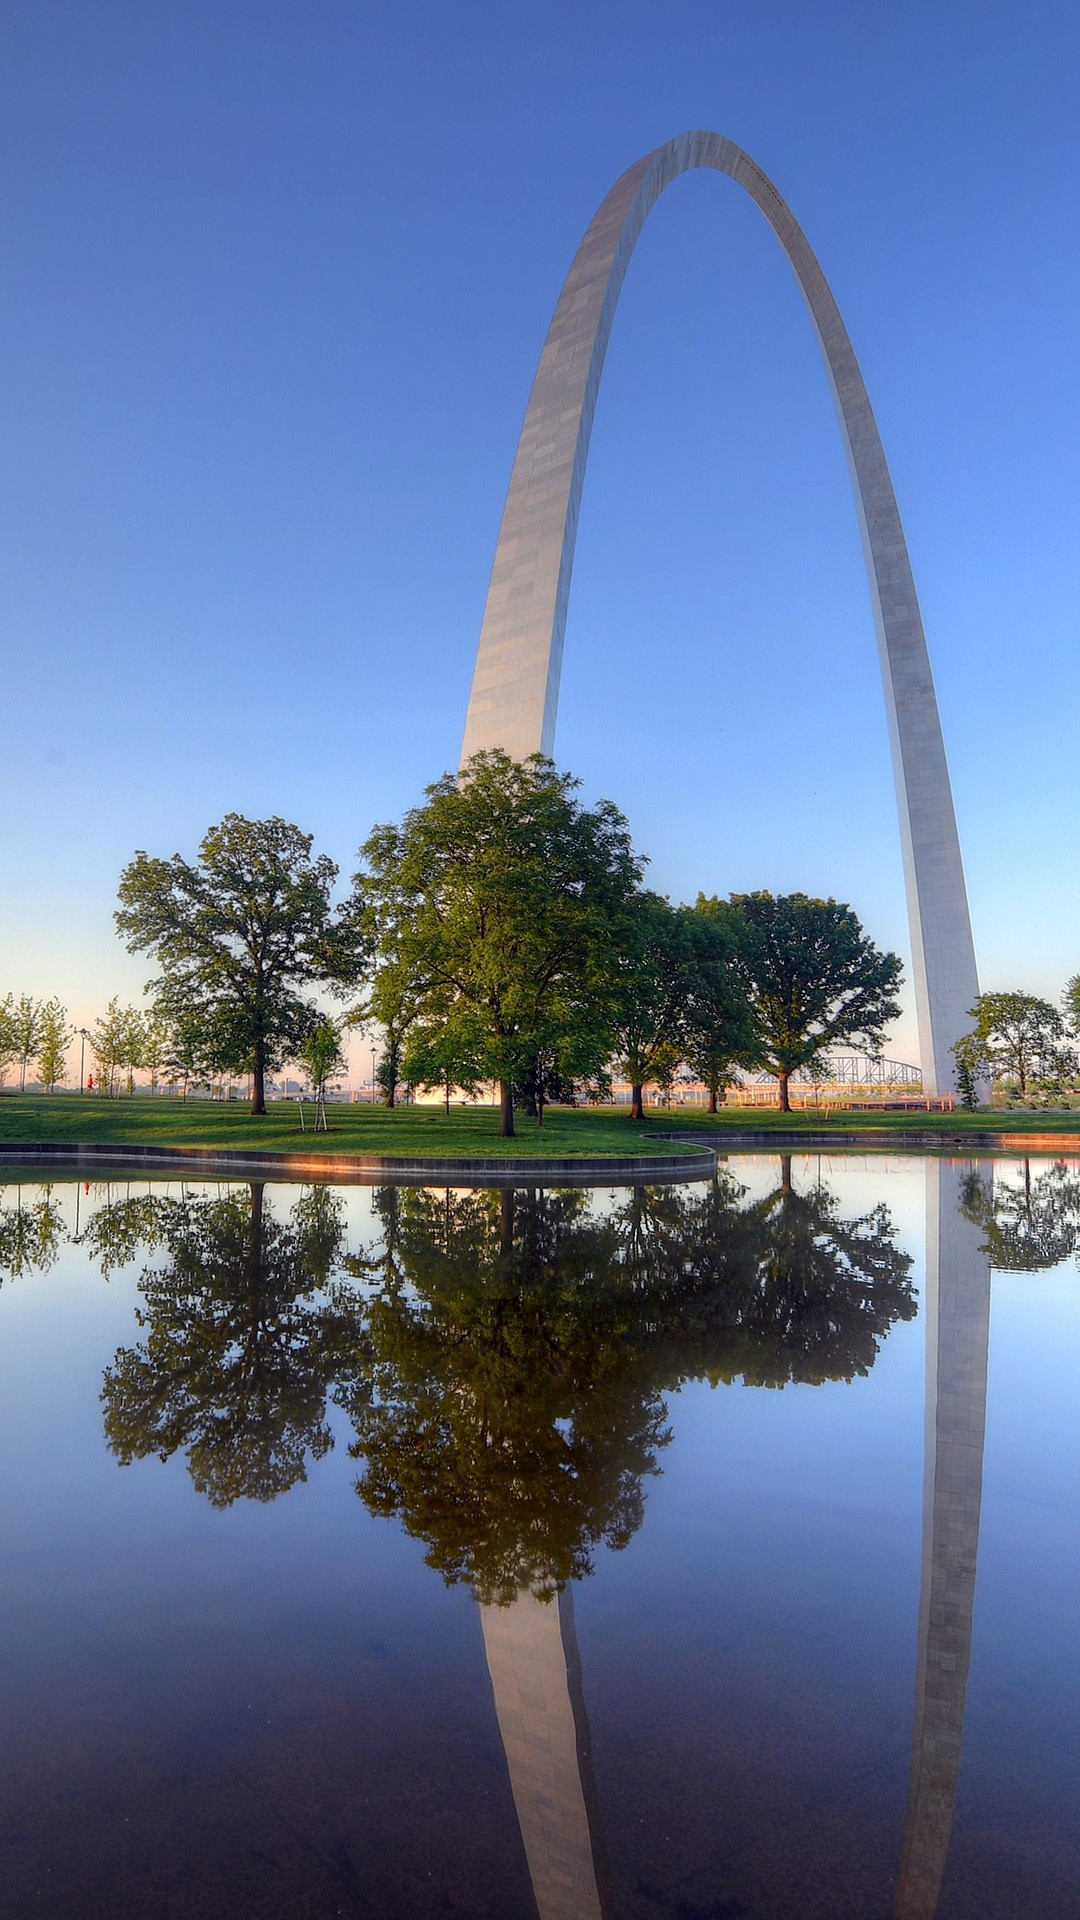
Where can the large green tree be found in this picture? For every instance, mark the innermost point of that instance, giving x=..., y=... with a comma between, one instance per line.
x=649, y=967
x=237, y=934
x=395, y=1005
x=813, y=978
x=1015, y=1036
x=499, y=896
x=718, y=1027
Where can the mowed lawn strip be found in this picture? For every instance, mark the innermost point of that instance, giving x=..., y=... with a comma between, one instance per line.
x=427, y=1131
x=467, y=1132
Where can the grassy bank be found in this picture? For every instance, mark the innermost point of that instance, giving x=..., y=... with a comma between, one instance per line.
x=466, y=1132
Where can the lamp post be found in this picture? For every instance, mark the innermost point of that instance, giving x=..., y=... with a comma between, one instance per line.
x=373, y=1076
x=83, y=1038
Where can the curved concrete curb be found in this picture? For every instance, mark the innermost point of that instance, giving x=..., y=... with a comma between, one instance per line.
x=970, y=1144
x=366, y=1169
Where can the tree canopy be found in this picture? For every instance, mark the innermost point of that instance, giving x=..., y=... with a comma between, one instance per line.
x=237, y=934
x=1015, y=1036
x=718, y=1026
x=649, y=968
x=1072, y=1004
x=498, y=895
x=812, y=978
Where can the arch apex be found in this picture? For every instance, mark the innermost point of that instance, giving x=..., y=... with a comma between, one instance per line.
x=515, y=687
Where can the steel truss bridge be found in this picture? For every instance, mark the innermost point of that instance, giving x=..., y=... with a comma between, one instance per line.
x=847, y=1070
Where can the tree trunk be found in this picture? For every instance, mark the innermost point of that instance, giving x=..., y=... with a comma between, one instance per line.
x=713, y=1102
x=391, y=1062
x=506, y=1222
x=637, y=1104
x=447, y=1096
x=785, y=1098
x=506, y=1110
x=256, y=1234
x=258, y=1080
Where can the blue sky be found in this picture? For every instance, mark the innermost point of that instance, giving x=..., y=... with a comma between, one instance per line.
x=274, y=282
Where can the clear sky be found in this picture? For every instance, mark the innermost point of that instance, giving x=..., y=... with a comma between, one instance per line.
x=273, y=283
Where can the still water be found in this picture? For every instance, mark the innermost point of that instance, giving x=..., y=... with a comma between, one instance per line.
x=676, y=1553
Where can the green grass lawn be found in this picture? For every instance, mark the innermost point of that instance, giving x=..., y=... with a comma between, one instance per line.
x=468, y=1132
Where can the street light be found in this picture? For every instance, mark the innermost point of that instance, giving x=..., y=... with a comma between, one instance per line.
x=373, y=1076
x=83, y=1038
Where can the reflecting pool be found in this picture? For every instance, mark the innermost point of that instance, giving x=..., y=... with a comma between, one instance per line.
x=706, y=1551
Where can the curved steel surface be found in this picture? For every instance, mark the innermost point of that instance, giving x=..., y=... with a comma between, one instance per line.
x=515, y=686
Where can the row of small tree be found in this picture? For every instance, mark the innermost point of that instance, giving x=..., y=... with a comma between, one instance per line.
x=501, y=933
x=34, y=1032
x=125, y=1041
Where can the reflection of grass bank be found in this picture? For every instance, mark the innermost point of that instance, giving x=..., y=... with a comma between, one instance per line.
x=988, y=1120
x=71, y=1119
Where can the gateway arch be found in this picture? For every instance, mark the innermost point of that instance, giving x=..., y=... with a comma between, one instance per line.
x=515, y=687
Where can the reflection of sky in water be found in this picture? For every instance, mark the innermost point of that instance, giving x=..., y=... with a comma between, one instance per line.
x=279, y=1709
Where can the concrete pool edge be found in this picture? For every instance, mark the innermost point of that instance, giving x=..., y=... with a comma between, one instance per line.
x=524, y=1171
x=969, y=1143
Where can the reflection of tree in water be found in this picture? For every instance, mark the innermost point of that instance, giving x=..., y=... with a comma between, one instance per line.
x=239, y=1353
x=521, y=1345
x=505, y=1420
x=31, y=1234
x=506, y=1363
x=120, y=1229
x=784, y=1290
x=828, y=1289
x=1032, y=1222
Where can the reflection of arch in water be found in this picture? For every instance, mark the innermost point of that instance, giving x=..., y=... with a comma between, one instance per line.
x=535, y=1673
x=532, y=1648
x=516, y=680
x=957, y=1346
